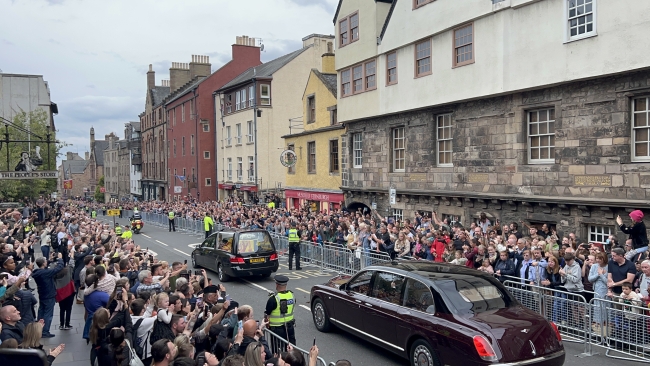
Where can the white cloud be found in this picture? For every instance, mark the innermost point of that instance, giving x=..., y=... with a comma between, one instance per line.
x=95, y=54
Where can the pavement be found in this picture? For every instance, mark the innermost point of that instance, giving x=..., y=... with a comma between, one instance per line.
x=333, y=346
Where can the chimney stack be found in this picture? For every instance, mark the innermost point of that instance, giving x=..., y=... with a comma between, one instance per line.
x=327, y=61
x=87, y=155
x=68, y=155
x=200, y=66
x=179, y=74
x=165, y=83
x=151, y=78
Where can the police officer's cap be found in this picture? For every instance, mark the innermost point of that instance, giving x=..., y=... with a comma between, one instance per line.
x=281, y=280
x=211, y=290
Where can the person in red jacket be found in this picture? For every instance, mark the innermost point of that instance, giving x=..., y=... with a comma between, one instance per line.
x=438, y=246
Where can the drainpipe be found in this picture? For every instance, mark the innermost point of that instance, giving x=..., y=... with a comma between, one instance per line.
x=196, y=143
x=255, y=131
x=216, y=163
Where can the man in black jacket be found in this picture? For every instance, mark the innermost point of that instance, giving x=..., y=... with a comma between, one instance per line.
x=11, y=325
x=253, y=334
x=79, y=254
x=44, y=278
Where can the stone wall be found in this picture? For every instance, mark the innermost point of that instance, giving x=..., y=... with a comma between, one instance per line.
x=592, y=179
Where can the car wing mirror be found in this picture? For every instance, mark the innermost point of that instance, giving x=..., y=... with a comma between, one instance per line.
x=431, y=309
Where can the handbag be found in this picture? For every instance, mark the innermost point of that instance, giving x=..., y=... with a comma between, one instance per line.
x=134, y=360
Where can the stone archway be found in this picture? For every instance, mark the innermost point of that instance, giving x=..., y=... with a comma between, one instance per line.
x=354, y=206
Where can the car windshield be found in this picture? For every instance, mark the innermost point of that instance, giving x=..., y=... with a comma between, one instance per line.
x=473, y=295
x=254, y=242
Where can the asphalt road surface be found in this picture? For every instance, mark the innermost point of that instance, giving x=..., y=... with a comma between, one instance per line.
x=333, y=346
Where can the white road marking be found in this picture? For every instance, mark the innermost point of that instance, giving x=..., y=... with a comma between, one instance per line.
x=163, y=243
x=305, y=307
x=193, y=245
x=305, y=291
x=256, y=285
x=180, y=251
x=146, y=236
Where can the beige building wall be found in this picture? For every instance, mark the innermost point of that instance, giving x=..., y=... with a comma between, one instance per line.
x=287, y=88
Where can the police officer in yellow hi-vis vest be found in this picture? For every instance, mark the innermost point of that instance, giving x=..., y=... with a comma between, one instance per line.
x=207, y=224
x=127, y=234
x=118, y=230
x=279, y=310
x=93, y=214
x=172, y=224
x=294, y=246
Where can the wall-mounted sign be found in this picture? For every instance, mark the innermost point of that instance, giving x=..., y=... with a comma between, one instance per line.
x=393, y=196
x=67, y=184
x=30, y=175
x=288, y=158
x=178, y=189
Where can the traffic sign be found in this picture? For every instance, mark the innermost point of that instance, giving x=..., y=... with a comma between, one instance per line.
x=113, y=212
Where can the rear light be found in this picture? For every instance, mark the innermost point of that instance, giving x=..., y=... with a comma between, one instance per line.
x=557, y=332
x=484, y=349
x=237, y=260
x=273, y=257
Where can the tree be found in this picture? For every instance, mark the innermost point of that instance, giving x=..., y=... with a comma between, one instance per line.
x=99, y=196
x=37, y=122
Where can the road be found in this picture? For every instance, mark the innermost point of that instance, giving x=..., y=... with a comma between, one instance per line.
x=333, y=346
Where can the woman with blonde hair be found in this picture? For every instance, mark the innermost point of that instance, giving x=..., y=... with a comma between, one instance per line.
x=32, y=339
x=255, y=354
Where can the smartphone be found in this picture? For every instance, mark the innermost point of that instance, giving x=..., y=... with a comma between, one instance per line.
x=223, y=294
x=206, y=308
x=185, y=262
x=151, y=258
x=197, y=272
x=314, y=341
x=4, y=276
x=240, y=324
x=199, y=302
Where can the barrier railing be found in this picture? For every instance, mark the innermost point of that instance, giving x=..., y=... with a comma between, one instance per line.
x=278, y=344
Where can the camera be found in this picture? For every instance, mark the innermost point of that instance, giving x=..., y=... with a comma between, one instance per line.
x=198, y=273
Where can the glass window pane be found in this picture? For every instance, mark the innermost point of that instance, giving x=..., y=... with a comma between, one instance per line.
x=534, y=141
x=640, y=104
x=641, y=134
x=641, y=149
x=543, y=128
x=543, y=115
x=534, y=153
x=640, y=119
x=534, y=130
x=532, y=116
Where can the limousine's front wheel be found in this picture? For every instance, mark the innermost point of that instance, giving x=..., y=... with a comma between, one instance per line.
x=194, y=263
x=422, y=354
x=321, y=319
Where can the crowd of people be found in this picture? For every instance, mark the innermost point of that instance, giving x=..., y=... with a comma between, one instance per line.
x=138, y=309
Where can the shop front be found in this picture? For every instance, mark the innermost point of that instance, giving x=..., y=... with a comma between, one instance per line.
x=238, y=191
x=315, y=201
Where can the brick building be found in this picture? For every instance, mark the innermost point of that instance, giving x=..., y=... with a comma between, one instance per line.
x=460, y=122
x=192, y=130
x=153, y=124
x=74, y=168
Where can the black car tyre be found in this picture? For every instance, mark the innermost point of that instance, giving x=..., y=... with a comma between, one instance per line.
x=194, y=265
x=422, y=354
x=320, y=316
x=223, y=277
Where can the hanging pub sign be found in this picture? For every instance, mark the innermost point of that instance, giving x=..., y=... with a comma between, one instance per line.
x=288, y=158
x=28, y=163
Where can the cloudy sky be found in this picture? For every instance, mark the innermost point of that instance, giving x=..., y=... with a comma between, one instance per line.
x=95, y=54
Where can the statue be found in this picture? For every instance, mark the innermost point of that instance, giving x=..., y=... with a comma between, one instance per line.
x=29, y=163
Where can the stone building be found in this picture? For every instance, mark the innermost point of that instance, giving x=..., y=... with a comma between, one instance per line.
x=112, y=168
x=546, y=124
x=134, y=145
x=153, y=124
x=74, y=168
x=95, y=161
x=25, y=93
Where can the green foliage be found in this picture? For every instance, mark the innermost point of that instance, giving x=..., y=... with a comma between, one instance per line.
x=37, y=122
x=99, y=196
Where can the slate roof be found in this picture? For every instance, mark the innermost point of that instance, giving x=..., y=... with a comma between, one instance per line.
x=183, y=89
x=264, y=70
x=100, y=146
x=329, y=80
x=135, y=125
x=75, y=166
x=158, y=94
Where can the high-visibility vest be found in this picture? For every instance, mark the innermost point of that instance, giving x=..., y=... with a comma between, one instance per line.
x=293, y=236
x=207, y=222
x=127, y=234
x=171, y=215
x=118, y=230
x=271, y=204
x=94, y=214
x=276, y=318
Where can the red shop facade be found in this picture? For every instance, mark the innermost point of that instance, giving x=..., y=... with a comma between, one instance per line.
x=316, y=201
x=242, y=191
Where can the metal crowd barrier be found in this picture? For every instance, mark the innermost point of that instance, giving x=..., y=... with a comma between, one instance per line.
x=616, y=325
x=278, y=345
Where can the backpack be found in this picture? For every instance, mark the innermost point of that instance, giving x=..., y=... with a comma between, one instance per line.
x=160, y=331
x=139, y=341
x=54, y=241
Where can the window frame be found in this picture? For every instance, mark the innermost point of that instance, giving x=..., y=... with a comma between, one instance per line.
x=454, y=48
x=633, y=140
x=362, y=77
x=229, y=171
x=393, y=159
x=240, y=169
x=192, y=147
x=388, y=82
x=251, y=171
x=415, y=58
x=208, y=182
x=417, y=6
x=347, y=20
x=291, y=169
x=238, y=131
x=183, y=113
x=206, y=155
x=443, y=140
x=250, y=135
x=311, y=108
x=267, y=96
x=228, y=137
x=592, y=230
x=567, y=23
x=251, y=96
x=311, y=157
x=356, y=150
x=205, y=127
x=529, y=136
x=334, y=166
x=182, y=145
x=237, y=101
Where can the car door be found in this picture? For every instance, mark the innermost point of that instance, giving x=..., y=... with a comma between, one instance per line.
x=346, y=306
x=223, y=249
x=381, y=311
x=206, y=252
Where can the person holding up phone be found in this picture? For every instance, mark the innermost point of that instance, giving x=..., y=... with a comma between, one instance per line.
x=637, y=232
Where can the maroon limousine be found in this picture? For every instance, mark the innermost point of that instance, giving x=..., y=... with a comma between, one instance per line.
x=437, y=314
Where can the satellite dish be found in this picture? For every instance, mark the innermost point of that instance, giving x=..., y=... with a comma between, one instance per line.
x=262, y=47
